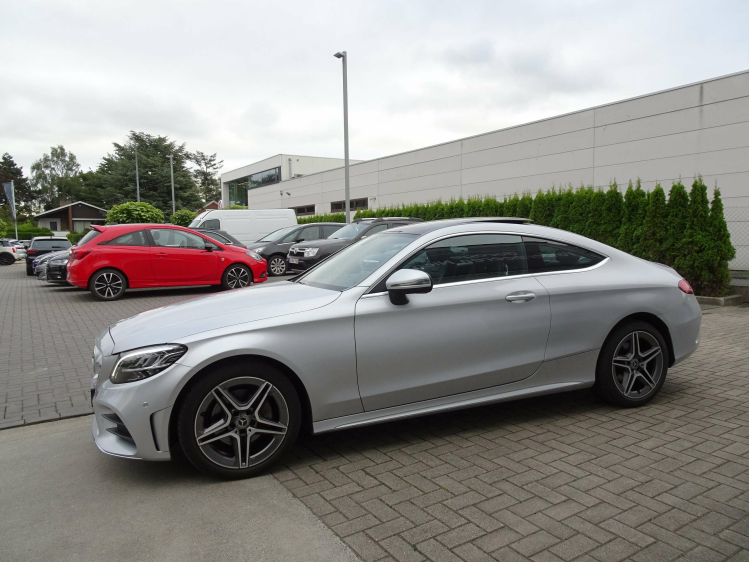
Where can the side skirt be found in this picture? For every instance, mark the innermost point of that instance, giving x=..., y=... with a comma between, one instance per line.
x=560, y=375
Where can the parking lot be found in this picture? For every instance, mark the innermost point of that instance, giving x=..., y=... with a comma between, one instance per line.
x=555, y=478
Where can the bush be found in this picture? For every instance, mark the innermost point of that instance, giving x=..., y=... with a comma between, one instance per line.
x=633, y=215
x=611, y=218
x=652, y=244
x=676, y=225
x=3, y=226
x=694, y=262
x=580, y=211
x=26, y=231
x=235, y=207
x=75, y=237
x=595, y=214
x=724, y=251
x=130, y=213
x=183, y=217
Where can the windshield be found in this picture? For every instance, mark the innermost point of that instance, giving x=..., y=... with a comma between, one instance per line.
x=196, y=221
x=90, y=235
x=353, y=265
x=349, y=232
x=276, y=235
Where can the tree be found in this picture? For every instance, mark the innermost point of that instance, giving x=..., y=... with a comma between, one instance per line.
x=130, y=213
x=595, y=214
x=524, y=206
x=511, y=206
x=721, y=246
x=563, y=212
x=611, y=219
x=118, y=173
x=23, y=192
x=3, y=227
x=540, y=211
x=580, y=211
x=678, y=217
x=205, y=175
x=53, y=177
x=634, y=208
x=652, y=244
x=695, y=262
x=183, y=217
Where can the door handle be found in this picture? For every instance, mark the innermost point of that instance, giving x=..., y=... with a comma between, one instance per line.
x=162, y=255
x=520, y=296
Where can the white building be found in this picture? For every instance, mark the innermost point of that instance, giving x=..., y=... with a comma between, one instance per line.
x=697, y=129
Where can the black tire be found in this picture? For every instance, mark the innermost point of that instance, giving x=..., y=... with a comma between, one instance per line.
x=233, y=278
x=277, y=265
x=6, y=258
x=108, y=284
x=29, y=270
x=632, y=381
x=200, y=409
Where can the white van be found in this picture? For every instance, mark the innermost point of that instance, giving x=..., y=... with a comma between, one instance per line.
x=246, y=225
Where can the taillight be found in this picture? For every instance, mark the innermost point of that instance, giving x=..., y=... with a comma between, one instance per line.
x=80, y=254
x=12, y=248
x=31, y=251
x=686, y=287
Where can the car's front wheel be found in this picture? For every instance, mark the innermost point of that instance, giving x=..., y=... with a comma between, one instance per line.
x=239, y=419
x=107, y=284
x=236, y=276
x=277, y=265
x=632, y=365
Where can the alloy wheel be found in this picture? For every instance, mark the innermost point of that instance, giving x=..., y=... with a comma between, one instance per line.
x=277, y=266
x=241, y=422
x=108, y=285
x=637, y=366
x=237, y=277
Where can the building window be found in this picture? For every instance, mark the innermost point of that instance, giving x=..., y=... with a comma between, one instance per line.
x=356, y=205
x=304, y=210
x=238, y=188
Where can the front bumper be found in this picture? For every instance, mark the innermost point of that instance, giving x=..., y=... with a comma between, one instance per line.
x=57, y=274
x=303, y=264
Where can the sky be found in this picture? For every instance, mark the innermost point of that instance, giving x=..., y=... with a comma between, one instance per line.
x=249, y=80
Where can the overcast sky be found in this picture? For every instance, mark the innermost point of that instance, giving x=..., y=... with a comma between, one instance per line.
x=252, y=79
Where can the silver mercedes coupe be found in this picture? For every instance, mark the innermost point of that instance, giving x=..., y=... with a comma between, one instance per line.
x=408, y=322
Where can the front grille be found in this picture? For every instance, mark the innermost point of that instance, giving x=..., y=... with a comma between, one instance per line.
x=119, y=429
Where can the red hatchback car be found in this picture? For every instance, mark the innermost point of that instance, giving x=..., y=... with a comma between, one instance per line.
x=111, y=259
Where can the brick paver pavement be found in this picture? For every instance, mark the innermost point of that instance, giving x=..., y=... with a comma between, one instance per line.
x=546, y=479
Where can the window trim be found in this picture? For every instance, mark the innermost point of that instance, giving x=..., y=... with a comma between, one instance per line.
x=351, y=201
x=606, y=259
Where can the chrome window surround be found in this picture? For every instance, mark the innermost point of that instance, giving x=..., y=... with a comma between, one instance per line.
x=489, y=279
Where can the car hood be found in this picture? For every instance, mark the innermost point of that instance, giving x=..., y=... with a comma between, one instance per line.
x=256, y=245
x=186, y=318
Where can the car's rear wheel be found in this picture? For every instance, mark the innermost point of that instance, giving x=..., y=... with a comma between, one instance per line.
x=29, y=270
x=236, y=276
x=277, y=265
x=107, y=284
x=632, y=365
x=239, y=419
x=7, y=259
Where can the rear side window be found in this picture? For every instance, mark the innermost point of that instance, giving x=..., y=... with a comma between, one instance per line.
x=51, y=244
x=136, y=238
x=213, y=224
x=309, y=233
x=329, y=229
x=470, y=257
x=90, y=235
x=549, y=255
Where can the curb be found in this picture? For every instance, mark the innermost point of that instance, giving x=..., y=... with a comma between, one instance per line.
x=730, y=300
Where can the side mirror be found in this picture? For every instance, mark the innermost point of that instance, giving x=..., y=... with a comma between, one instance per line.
x=208, y=247
x=405, y=282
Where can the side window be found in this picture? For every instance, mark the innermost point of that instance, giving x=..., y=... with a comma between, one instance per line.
x=309, y=233
x=213, y=224
x=375, y=230
x=470, y=257
x=289, y=238
x=329, y=229
x=168, y=238
x=137, y=238
x=548, y=255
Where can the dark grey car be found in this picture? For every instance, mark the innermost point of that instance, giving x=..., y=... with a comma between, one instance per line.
x=275, y=246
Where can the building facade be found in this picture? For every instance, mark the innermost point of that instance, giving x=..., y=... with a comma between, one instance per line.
x=73, y=217
x=697, y=129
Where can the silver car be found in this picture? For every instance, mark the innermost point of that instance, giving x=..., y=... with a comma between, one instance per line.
x=414, y=320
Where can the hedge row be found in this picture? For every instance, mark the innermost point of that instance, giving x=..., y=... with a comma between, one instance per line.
x=26, y=231
x=685, y=231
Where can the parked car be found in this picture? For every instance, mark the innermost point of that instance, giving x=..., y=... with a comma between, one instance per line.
x=111, y=259
x=419, y=319
x=275, y=246
x=220, y=235
x=57, y=268
x=20, y=248
x=40, y=264
x=304, y=255
x=248, y=225
x=26, y=243
x=8, y=255
x=43, y=245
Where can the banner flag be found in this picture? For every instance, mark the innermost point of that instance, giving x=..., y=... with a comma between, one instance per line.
x=8, y=186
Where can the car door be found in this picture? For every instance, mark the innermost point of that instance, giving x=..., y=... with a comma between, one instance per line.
x=485, y=323
x=308, y=234
x=181, y=257
x=131, y=253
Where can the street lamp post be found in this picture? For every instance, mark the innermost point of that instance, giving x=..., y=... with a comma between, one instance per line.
x=342, y=55
x=171, y=171
x=137, y=179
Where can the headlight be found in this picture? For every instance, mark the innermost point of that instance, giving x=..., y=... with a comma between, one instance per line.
x=310, y=252
x=259, y=250
x=59, y=262
x=254, y=255
x=147, y=362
